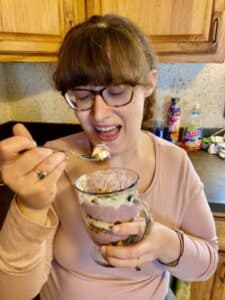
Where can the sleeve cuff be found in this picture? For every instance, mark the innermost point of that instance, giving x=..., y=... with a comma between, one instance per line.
x=19, y=228
x=23, y=243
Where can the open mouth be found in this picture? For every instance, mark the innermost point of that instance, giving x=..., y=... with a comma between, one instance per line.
x=108, y=132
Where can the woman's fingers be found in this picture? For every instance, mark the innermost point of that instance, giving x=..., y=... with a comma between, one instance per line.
x=122, y=252
x=125, y=263
x=124, y=255
x=23, y=164
x=40, y=182
x=52, y=165
x=147, y=249
x=130, y=262
x=131, y=256
x=130, y=228
x=21, y=141
x=11, y=147
x=23, y=170
x=31, y=172
x=29, y=160
x=38, y=159
x=57, y=172
x=20, y=130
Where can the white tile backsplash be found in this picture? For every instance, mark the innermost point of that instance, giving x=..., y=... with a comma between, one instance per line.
x=31, y=94
x=200, y=83
x=27, y=92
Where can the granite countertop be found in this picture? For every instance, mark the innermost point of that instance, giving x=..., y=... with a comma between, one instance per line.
x=211, y=170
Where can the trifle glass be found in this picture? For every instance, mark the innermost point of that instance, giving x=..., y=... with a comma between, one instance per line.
x=109, y=197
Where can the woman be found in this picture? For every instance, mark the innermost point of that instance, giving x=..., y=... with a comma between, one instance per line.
x=107, y=74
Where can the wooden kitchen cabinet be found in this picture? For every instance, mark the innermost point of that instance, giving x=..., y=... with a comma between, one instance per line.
x=218, y=290
x=180, y=30
x=33, y=30
x=214, y=288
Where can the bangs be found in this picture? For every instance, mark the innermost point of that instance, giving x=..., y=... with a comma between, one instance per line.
x=100, y=56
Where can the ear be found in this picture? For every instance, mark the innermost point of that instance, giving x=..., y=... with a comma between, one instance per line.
x=153, y=79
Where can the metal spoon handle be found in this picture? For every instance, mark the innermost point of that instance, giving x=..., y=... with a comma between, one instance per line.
x=73, y=153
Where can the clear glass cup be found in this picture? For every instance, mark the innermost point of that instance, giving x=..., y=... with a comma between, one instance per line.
x=108, y=197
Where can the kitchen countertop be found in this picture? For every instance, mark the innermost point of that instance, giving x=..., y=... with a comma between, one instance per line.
x=211, y=170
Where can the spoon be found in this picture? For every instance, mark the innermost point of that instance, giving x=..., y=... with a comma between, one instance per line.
x=88, y=156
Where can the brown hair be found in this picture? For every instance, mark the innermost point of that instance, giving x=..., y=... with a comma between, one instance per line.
x=105, y=50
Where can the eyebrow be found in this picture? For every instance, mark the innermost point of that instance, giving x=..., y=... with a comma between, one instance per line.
x=88, y=88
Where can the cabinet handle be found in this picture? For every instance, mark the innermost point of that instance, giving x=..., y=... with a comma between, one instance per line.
x=70, y=19
x=72, y=22
x=222, y=279
x=215, y=30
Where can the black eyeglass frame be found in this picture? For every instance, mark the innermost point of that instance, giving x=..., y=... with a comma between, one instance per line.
x=95, y=93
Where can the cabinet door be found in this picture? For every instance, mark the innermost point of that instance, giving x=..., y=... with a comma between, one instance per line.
x=34, y=29
x=201, y=290
x=218, y=290
x=220, y=228
x=180, y=30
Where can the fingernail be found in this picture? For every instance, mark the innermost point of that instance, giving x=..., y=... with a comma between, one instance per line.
x=115, y=229
x=103, y=250
x=62, y=155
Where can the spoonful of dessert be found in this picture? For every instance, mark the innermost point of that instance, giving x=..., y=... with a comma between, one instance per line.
x=99, y=153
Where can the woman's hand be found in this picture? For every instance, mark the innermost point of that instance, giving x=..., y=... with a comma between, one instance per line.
x=161, y=242
x=20, y=159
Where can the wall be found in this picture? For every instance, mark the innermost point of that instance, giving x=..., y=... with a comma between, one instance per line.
x=30, y=94
x=200, y=83
x=5, y=114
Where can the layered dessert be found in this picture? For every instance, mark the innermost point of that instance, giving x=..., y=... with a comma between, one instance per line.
x=101, y=152
x=102, y=211
x=108, y=197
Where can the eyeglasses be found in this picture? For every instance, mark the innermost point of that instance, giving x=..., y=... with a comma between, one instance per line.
x=114, y=96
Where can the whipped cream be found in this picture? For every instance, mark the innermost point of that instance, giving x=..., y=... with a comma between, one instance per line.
x=114, y=200
x=101, y=152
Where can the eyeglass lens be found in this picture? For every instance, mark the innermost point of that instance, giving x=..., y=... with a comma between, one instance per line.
x=83, y=99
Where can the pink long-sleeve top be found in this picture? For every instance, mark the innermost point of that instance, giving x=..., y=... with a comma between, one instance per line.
x=55, y=259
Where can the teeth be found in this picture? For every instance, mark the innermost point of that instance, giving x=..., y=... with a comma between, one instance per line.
x=105, y=129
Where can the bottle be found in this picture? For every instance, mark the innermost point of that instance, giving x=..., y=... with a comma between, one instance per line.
x=192, y=137
x=173, y=121
x=158, y=127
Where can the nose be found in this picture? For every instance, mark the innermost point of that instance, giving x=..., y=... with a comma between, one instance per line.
x=100, y=109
